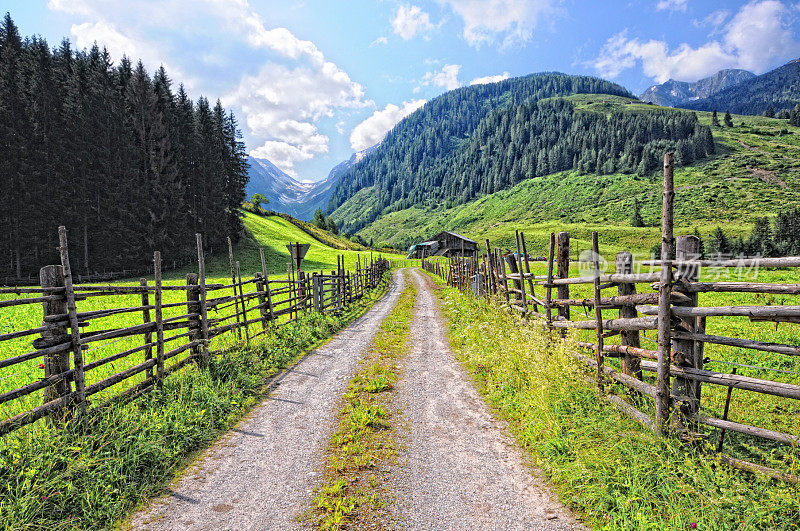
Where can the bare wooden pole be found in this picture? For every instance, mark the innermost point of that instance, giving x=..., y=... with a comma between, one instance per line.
x=233, y=282
x=75, y=331
x=159, y=321
x=193, y=307
x=598, y=313
x=241, y=298
x=528, y=270
x=519, y=270
x=549, y=288
x=201, y=277
x=629, y=363
x=664, y=290
x=562, y=262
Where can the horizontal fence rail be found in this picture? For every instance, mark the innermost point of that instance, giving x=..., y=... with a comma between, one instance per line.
x=99, y=344
x=672, y=310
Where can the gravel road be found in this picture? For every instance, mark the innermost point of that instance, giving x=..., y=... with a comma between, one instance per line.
x=457, y=469
x=262, y=473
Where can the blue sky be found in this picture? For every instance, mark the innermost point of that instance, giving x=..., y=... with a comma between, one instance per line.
x=311, y=81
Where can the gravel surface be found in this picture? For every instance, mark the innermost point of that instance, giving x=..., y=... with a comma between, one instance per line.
x=261, y=474
x=457, y=469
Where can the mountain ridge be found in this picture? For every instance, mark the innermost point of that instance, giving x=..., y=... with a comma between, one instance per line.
x=671, y=93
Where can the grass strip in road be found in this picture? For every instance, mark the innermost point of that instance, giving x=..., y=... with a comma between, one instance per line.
x=91, y=477
x=351, y=493
x=614, y=473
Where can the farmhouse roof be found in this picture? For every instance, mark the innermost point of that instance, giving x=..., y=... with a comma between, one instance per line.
x=458, y=236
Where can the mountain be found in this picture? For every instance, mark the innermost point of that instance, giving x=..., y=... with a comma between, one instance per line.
x=672, y=93
x=779, y=89
x=481, y=139
x=290, y=196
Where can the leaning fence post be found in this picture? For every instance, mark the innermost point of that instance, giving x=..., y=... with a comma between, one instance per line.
x=266, y=285
x=629, y=363
x=201, y=274
x=52, y=276
x=562, y=271
x=664, y=292
x=72, y=313
x=159, y=321
x=262, y=300
x=687, y=248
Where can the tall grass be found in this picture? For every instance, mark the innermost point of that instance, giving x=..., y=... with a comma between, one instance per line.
x=90, y=475
x=611, y=471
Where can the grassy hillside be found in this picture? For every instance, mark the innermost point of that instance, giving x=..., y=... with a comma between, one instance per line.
x=755, y=172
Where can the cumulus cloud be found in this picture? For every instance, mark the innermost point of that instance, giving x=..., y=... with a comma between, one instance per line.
x=671, y=5
x=755, y=39
x=410, y=20
x=282, y=104
x=490, y=79
x=447, y=77
x=293, y=87
x=509, y=22
x=374, y=129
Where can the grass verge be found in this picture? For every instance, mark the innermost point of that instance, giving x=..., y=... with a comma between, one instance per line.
x=92, y=476
x=351, y=494
x=602, y=464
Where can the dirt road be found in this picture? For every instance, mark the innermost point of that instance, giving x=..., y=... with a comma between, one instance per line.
x=458, y=469
x=262, y=473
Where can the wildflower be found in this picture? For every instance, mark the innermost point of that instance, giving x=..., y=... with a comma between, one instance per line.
x=41, y=365
x=693, y=525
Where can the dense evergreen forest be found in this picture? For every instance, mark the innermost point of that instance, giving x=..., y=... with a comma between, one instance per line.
x=778, y=89
x=128, y=164
x=479, y=140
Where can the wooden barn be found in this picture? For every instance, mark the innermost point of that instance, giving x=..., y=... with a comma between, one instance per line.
x=445, y=243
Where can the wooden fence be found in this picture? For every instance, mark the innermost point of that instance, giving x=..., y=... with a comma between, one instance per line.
x=672, y=309
x=166, y=328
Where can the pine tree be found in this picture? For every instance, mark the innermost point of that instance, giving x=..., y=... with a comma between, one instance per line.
x=728, y=120
x=770, y=112
x=636, y=217
x=714, y=119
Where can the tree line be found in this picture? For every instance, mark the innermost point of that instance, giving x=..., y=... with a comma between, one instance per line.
x=535, y=136
x=126, y=162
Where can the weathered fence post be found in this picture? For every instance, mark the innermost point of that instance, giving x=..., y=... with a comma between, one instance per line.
x=531, y=283
x=72, y=313
x=148, y=335
x=241, y=298
x=233, y=282
x=201, y=274
x=193, y=307
x=266, y=285
x=562, y=271
x=549, y=289
x=629, y=363
x=52, y=276
x=598, y=313
x=687, y=248
x=664, y=292
x=159, y=321
x=301, y=278
x=518, y=264
x=262, y=300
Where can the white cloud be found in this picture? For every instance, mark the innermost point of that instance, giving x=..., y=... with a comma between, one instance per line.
x=713, y=20
x=294, y=86
x=447, y=77
x=755, y=39
x=510, y=21
x=374, y=129
x=378, y=41
x=672, y=5
x=410, y=20
x=282, y=104
x=490, y=79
